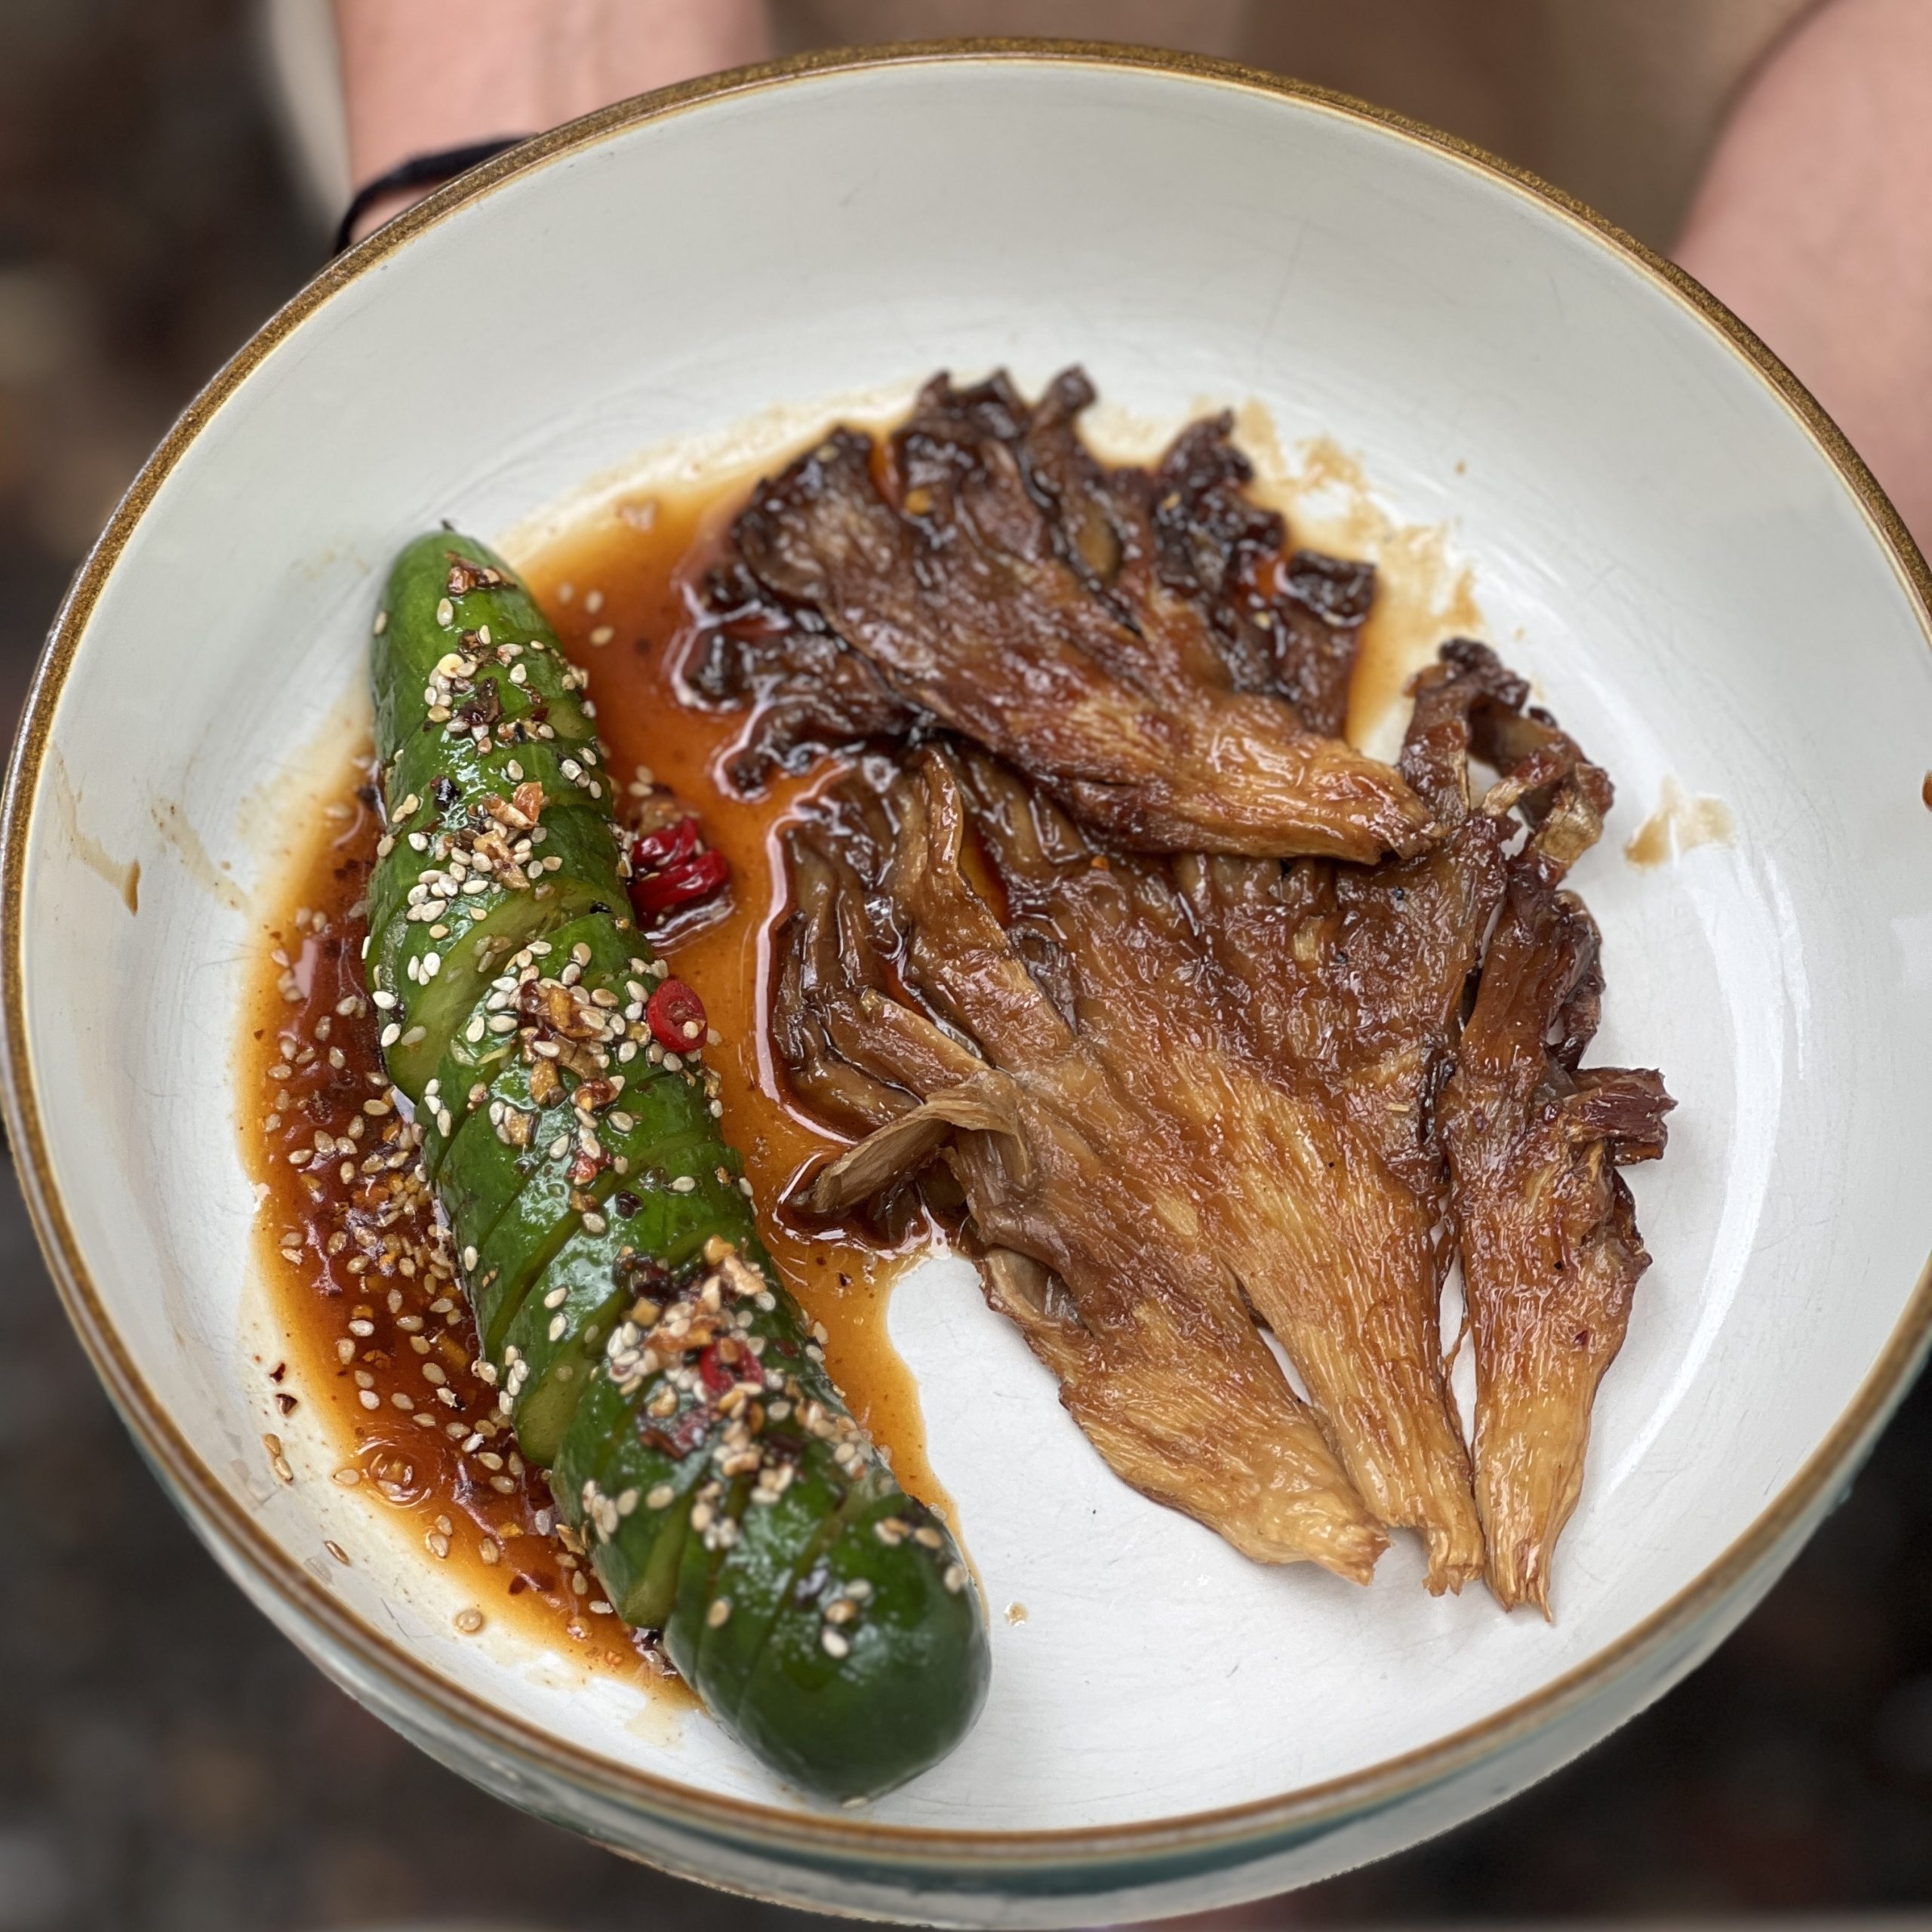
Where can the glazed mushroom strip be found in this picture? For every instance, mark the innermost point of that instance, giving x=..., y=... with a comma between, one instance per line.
x=937, y=586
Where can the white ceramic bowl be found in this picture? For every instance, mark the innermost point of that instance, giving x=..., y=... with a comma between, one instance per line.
x=1666, y=533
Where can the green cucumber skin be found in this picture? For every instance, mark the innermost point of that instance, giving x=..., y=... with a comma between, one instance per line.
x=565, y=768
x=480, y=1171
x=777, y=1543
x=561, y=1366
x=917, y=1640
x=412, y=640
x=540, y=1219
x=482, y=931
x=578, y=835
x=909, y=1689
x=620, y=961
x=551, y=1267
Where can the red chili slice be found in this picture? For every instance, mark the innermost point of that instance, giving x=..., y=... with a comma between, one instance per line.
x=655, y=894
x=668, y=845
x=672, y=867
x=677, y=1018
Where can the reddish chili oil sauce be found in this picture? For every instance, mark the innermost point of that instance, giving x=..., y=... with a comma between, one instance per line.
x=378, y=1336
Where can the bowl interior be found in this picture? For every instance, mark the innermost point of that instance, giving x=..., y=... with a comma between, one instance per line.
x=1656, y=538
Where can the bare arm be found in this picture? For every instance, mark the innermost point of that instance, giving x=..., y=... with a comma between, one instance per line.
x=419, y=75
x=1814, y=222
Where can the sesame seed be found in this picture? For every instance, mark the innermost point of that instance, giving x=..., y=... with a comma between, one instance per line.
x=445, y=611
x=335, y=1550
x=719, y=1614
x=369, y=1398
x=659, y=1497
x=469, y=1621
x=833, y=1644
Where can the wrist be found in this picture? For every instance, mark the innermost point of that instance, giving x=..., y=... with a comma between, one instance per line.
x=434, y=75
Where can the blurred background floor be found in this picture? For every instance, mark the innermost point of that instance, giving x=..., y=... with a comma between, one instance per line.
x=168, y=1764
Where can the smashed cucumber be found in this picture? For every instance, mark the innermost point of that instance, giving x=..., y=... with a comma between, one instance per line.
x=429, y=961
x=642, y=1345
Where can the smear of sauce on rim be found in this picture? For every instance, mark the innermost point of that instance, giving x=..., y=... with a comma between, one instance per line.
x=172, y=824
x=1681, y=823
x=124, y=875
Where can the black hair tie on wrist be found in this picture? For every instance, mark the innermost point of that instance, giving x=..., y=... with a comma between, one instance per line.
x=421, y=170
